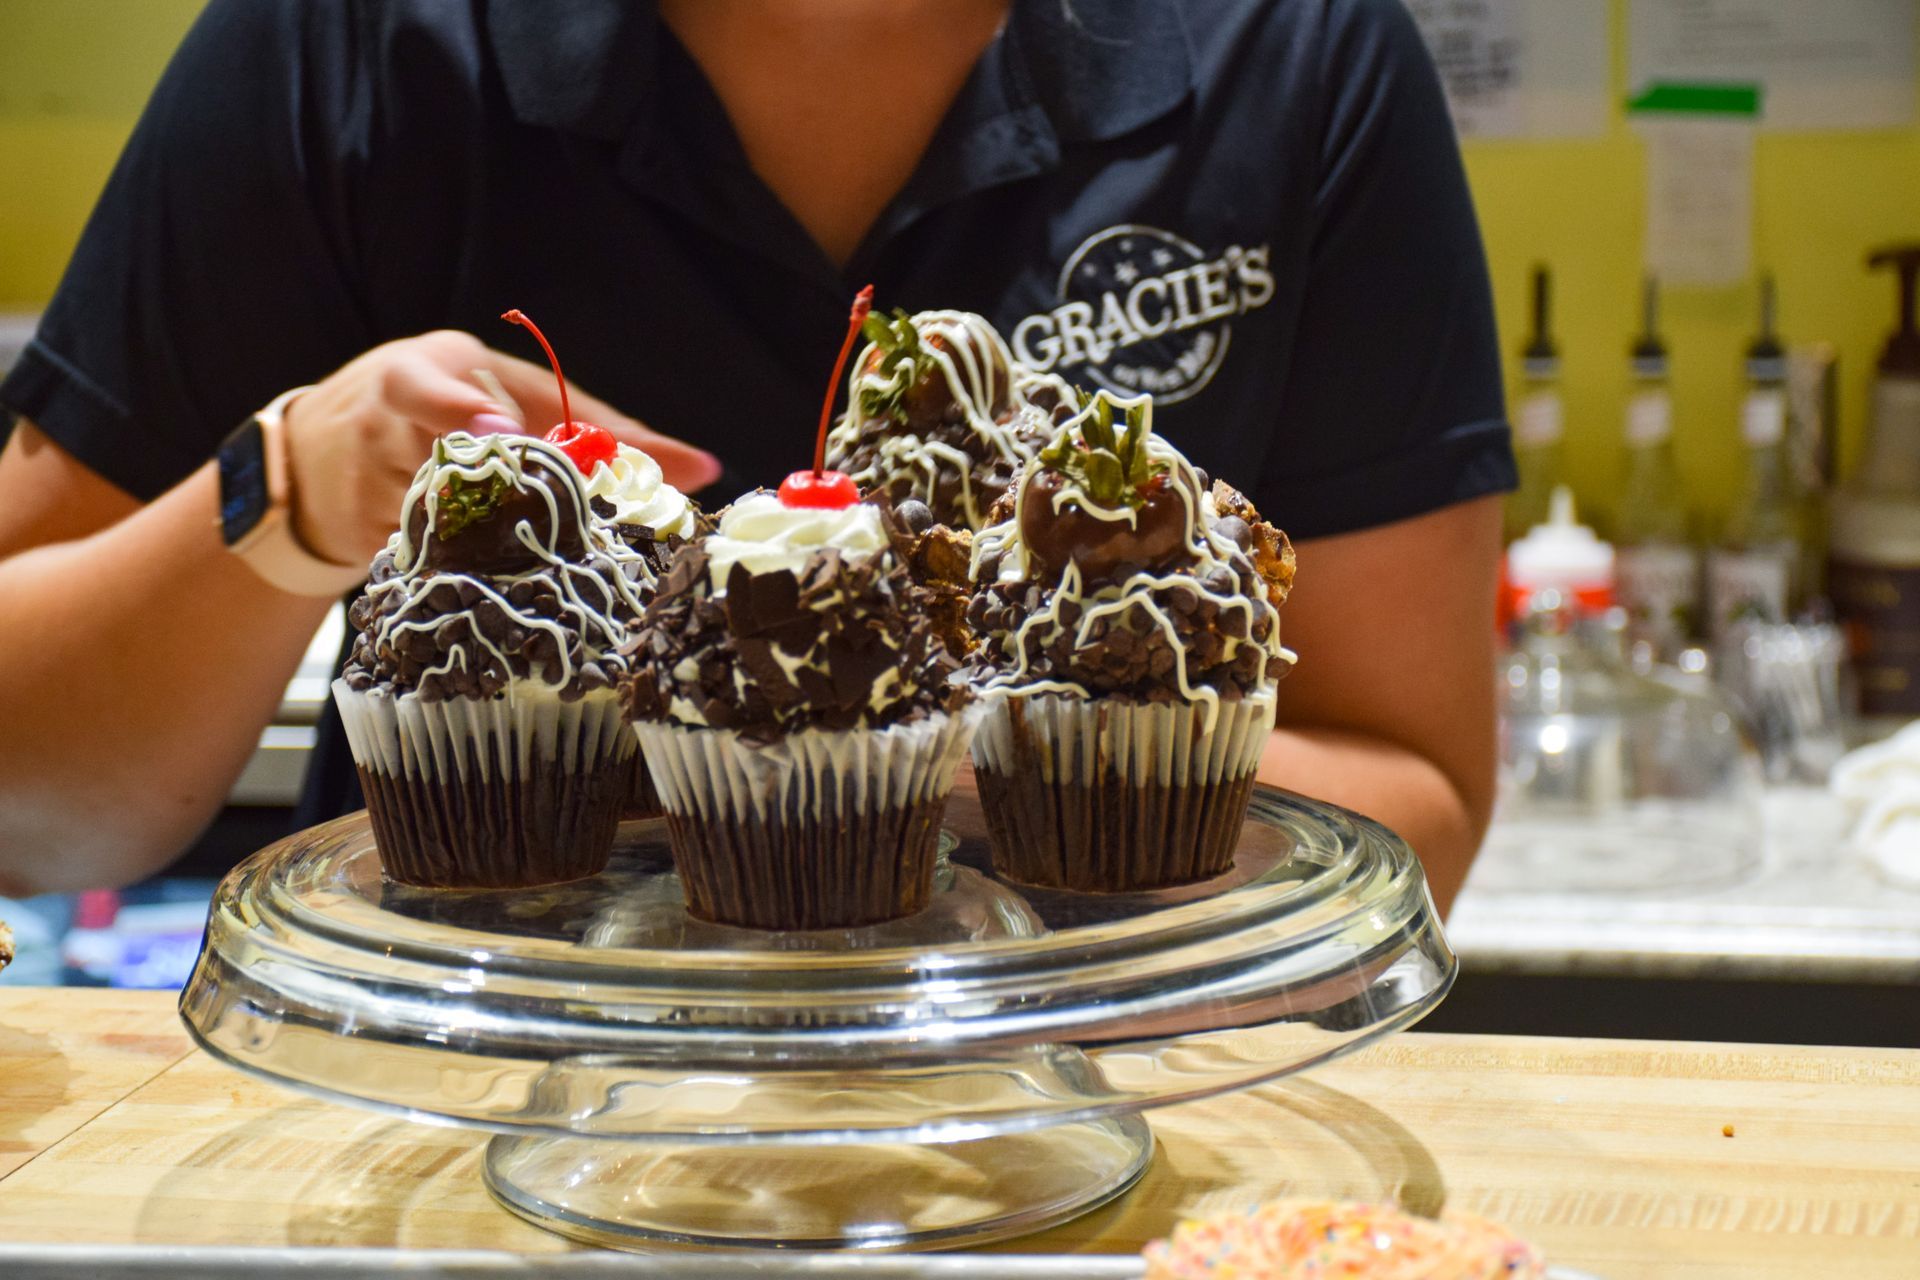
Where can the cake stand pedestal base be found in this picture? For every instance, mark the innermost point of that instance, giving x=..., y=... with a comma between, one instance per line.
x=642, y=1195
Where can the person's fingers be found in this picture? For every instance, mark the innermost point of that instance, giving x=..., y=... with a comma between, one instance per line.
x=687, y=467
x=436, y=400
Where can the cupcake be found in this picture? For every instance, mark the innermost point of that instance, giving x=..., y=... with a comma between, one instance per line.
x=1299, y=1239
x=799, y=711
x=480, y=697
x=939, y=412
x=799, y=714
x=629, y=496
x=1130, y=641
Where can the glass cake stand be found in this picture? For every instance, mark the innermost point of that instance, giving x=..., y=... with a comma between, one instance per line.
x=971, y=1073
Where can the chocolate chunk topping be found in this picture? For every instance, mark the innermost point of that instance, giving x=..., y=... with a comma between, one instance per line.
x=1221, y=618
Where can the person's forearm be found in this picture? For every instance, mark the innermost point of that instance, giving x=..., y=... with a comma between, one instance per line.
x=1396, y=787
x=137, y=668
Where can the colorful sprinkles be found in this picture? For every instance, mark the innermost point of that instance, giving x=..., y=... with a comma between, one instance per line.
x=1331, y=1240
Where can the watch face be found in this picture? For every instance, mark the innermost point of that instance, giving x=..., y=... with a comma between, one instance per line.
x=243, y=481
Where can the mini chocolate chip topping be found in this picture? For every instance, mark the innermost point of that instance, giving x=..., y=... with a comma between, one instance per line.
x=1114, y=571
x=501, y=576
x=939, y=413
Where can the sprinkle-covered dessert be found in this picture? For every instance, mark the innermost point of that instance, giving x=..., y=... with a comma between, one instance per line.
x=1330, y=1240
x=480, y=696
x=1129, y=627
x=798, y=708
x=939, y=412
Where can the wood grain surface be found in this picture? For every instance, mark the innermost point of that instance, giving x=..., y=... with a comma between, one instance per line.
x=1612, y=1155
x=67, y=1056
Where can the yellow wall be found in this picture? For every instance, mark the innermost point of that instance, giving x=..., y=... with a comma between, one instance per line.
x=1821, y=201
x=73, y=74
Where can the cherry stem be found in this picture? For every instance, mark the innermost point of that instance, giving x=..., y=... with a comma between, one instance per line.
x=516, y=316
x=862, y=304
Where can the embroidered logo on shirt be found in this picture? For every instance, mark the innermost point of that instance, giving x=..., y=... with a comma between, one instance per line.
x=1142, y=309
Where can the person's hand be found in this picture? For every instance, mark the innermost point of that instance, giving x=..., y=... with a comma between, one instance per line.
x=356, y=440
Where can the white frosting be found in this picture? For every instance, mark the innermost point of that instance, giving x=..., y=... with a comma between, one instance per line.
x=590, y=598
x=764, y=534
x=1113, y=601
x=640, y=495
x=971, y=355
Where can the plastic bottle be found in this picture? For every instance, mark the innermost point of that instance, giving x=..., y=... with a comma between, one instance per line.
x=1562, y=555
x=1659, y=564
x=1874, y=573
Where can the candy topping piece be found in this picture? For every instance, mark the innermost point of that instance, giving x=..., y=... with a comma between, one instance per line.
x=586, y=444
x=829, y=490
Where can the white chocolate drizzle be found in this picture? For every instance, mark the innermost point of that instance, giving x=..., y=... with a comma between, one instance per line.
x=970, y=356
x=590, y=592
x=1208, y=549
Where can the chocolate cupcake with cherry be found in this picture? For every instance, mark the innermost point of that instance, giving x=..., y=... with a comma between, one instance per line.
x=799, y=710
x=938, y=412
x=480, y=698
x=1129, y=631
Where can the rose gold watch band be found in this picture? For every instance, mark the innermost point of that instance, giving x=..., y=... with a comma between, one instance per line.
x=271, y=548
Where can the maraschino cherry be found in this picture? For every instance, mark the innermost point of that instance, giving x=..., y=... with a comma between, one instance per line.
x=586, y=444
x=820, y=488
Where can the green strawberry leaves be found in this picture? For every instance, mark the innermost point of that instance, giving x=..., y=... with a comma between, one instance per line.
x=461, y=502
x=899, y=343
x=1110, y=466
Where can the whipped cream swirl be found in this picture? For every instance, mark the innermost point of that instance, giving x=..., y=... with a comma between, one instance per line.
x=635, y=487
x=766, y=535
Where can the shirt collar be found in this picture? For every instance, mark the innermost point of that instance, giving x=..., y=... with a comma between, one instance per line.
x=1103, y=68
x=1099, y=68
x=578, y=65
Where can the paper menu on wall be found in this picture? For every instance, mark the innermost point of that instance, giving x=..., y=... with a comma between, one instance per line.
x=1818, y=64
x=1699, y=199
x=1476, y=47
x=1520, y=68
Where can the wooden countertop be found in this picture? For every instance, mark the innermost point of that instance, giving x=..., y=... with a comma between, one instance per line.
x=1609, y=1154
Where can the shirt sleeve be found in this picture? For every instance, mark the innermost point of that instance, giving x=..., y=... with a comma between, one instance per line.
x=1394, y=374
x=212, y=274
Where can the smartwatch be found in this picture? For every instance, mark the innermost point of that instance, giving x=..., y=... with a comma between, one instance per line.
x=256, y=509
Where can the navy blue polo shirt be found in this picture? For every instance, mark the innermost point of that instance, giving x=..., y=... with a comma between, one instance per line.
x=1255, y=210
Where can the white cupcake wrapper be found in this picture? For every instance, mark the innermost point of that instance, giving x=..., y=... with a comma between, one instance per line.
x=714, y=775
x=1166, y=743
x=450, y=739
